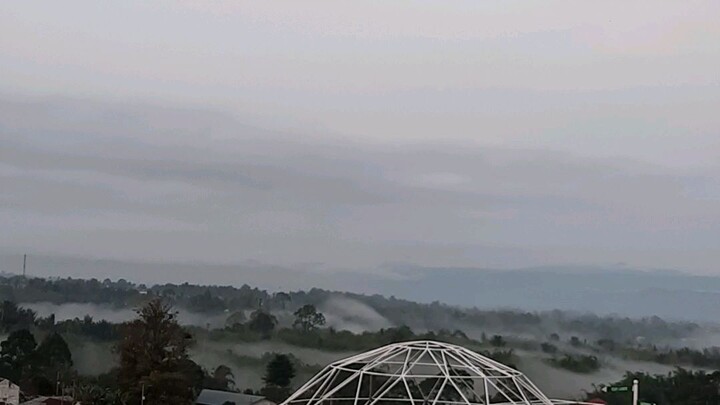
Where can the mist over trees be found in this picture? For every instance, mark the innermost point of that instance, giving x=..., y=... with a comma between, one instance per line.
x=433, y=316
x=153, y=350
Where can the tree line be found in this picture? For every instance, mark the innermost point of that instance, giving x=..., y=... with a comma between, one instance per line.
x=433, y=316
x=153, y=361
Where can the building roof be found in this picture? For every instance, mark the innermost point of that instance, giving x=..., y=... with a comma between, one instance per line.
x=9, y=392
x=217, y=397
x=7, y=383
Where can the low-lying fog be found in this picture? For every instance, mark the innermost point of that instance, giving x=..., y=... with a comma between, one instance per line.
x=341, y=313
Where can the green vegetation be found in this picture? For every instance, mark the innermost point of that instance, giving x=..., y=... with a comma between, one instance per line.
x=263, y=323
x=222, y=378
x=680, y=387
x=308, y=318
x=13, y=317
x=705, y=358
x=278, y=374
x=578, y=363
x=434, y=316
x=153, y=357
x=153, y=349
x=548, y=348
x=497, y=341
x=36, y=368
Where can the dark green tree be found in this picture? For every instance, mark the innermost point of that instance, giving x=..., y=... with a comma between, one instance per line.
x=13, y=317
x=497, y=341
x=400, y=334
x=279, y=372
x=222, y=378
x=263, y=323
x=53, y=355
x=16, y=354
x=52, y=360
x=308, y=318
x=283, y=298
x=548, y=348
x=235, y=319
x=153, y=354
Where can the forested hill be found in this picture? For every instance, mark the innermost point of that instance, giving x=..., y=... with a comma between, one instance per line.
x=601, y=290
x=350, y=311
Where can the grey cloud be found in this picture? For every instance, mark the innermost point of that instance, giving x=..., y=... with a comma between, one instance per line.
x=144, y=182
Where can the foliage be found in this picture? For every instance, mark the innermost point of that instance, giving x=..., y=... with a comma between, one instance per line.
x=53, y=356
x=575, y=341
x=283, y=298
x=222, y=378
x=103, y=330
x=606, y=344
x=279, y=372
x=213, y=299
x=205, y=303
x=497, y=341
x=33, y=367
x=548, y=348
x=610, y=334
x=506, y=357
x=153, y=354
x=308, y=318
x=577, y=363
x=706, y=358
x=16, y=354
x=263, y=323
x=236, y=318
x=13, y=318
x=680, y=387
x=96, y=394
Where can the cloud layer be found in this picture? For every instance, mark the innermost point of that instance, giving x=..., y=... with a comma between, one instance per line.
x=355, y=134
x=148, y=183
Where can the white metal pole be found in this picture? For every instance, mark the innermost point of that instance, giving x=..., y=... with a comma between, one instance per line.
x=635, y=392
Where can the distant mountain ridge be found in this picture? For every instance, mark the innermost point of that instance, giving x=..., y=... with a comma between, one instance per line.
x=601, y=291
x=667, y=294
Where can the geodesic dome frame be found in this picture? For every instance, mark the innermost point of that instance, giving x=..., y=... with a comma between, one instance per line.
x=419, y=373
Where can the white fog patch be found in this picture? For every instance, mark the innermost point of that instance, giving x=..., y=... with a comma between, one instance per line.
x=209, y=355
x=557, y=382
x=347, y=314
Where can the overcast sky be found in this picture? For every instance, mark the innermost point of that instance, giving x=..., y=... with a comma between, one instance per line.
x=353, y=134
